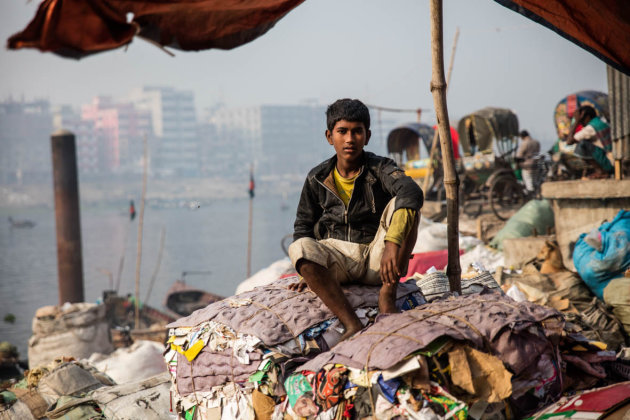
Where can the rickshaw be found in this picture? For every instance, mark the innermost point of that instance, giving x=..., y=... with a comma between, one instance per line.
x=403, y=145
x=489, y=139
x=566, y=165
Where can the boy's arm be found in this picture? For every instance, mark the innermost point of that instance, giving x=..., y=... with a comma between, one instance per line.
x=402, y=222
x=400, y=226
x=308, y=213
x=408, y=194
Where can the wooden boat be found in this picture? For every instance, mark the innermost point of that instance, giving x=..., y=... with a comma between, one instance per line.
x=20, y=224
x=182, y=299
x=121, y=312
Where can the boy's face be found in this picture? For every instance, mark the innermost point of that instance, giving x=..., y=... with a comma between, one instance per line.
x=348, y=138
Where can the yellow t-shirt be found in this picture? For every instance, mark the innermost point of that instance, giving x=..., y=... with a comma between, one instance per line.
x=402, y=220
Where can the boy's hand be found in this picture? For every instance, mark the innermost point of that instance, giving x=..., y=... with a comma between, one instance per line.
x=389, y=264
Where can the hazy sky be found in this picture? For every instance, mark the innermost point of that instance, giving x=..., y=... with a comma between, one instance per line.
x=374, y=50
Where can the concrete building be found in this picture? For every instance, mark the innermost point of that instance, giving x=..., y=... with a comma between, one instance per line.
x=283, y=141
x=230, y=141
x=25, y=129
x=174, y=121
x=89, y=154
x=292, y=139
x=120, y=128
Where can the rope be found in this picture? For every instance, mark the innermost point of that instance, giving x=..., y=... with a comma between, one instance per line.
x=297, y=342
x=237, y=332
x=373, y=346
x=387, y=109
x=267, y=308
x=385, y=335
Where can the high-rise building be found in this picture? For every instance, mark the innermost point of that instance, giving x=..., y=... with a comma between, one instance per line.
x=120, y=128
x=230, y=140
x=89, y=160
x=283, y=141
x=174, y=120
x=279, y=139
x=25, y=129
x=292, y=138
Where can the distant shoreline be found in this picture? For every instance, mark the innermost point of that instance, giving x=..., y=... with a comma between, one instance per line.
x=159, y=192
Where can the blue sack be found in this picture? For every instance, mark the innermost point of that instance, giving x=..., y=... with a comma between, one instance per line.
x=604, y=254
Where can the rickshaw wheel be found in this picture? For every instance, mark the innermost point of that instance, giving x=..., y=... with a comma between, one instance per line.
x=506, y=195
x=469, y=200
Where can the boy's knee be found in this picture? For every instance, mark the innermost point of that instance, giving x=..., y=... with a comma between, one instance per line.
x=303, y=266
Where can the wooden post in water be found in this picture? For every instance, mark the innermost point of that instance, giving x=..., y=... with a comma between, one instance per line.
x=451, y=180
x=145, y=168
x=67, y=217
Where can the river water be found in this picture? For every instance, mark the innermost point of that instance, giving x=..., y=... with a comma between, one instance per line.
x=211, y=238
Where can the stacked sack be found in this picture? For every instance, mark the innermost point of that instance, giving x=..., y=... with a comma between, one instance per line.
x=72, y=329
x=70, y=389
x=230, y=358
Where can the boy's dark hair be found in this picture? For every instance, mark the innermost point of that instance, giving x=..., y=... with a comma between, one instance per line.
x=524, y=134
x=588, y=111
x=347, y=109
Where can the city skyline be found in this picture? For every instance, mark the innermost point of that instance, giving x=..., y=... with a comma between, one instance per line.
x=324, y=50
x=109, y=134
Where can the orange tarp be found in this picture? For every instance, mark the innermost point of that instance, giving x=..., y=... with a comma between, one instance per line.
x=76, y=28
x=599, y=26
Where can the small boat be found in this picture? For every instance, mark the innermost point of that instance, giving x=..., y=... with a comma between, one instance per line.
x=121, y=314
x=183, y=300
x=21, y=223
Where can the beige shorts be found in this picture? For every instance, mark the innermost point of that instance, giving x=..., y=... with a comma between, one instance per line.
x=347, y=262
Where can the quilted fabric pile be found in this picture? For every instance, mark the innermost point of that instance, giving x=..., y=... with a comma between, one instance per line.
x=229, y=358
x=275, y=354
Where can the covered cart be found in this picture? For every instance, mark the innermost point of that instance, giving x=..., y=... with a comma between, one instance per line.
x=403, y=145
x=489, y=139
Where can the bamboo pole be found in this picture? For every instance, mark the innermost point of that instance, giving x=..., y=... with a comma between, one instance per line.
x=121, y=263
x=157, y=265
x=251, y=221
x=434, y=143
x=451, y=180
x=140, y=226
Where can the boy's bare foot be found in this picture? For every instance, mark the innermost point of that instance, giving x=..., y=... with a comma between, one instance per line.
x=350, y=331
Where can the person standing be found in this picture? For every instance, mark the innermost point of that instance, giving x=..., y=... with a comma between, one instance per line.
x=526, y=157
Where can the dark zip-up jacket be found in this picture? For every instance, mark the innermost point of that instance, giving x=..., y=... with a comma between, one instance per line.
x=321, y=213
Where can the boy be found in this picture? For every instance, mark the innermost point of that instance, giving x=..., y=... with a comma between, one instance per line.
x=357, y=218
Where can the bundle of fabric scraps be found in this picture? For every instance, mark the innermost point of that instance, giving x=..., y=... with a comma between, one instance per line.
x=566, y=292
x=435, y=284
x=230, y=359
x=479, y=356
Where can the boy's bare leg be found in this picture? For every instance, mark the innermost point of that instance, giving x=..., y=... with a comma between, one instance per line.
x=387, y=299
x=330, y=292
x=387, y=295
